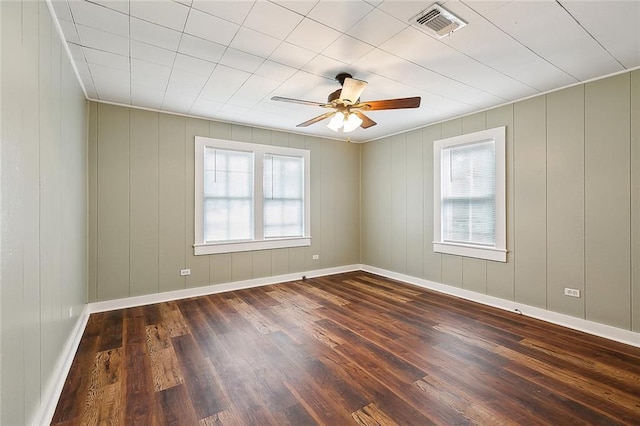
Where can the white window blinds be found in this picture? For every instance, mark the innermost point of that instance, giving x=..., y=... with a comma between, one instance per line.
x=469, y=194
x=283, y=196
x=228, y=195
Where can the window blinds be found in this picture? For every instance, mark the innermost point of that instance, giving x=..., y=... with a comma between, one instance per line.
x=283, y=196
x=469, y=194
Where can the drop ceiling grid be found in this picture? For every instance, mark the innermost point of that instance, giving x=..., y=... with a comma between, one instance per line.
x=225, y=59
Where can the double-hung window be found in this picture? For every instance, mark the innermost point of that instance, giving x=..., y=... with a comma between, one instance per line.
x=469, y=195
x=250, y=196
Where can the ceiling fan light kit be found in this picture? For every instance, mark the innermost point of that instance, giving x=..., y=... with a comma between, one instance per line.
x=348, y=108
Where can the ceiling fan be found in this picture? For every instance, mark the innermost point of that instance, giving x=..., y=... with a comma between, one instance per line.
x=347, y=109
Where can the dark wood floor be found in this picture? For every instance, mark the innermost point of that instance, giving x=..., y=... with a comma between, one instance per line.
x=347, y=349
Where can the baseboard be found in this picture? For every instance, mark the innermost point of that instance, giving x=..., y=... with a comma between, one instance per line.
x=52, y=391
x=131, y=302
x=608, y=332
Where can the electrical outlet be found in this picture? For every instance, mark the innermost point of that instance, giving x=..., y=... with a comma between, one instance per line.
x=315, y=257
x=185, y=272
x=573, y=292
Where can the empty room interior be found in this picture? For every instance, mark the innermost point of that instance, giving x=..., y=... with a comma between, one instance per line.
x=369, y=212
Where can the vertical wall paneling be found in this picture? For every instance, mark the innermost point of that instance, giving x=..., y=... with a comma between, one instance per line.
x=113, y=202
x=262, y=136
x=220, y=130
x=275, y=138
x=451, y=265
x=530, y=201
x=327, y=191
x=385, y=204
x=31, y=203
x=415, y=204
x=199, y=265
x=261, y=263
x=399, y=203
x=143, y=210
x=219, y=268
x=93, y=201
x=635, y=200
x=500, y=276
x=43, y=159
x=565, y=199
x=607, y=201
x=12, y=321
x=279, y=261
x=241, y=133
x=171, y=202
x=241, y=266
x=345, y=203
x=368, y=204
x=432, y=261
x=314, y=145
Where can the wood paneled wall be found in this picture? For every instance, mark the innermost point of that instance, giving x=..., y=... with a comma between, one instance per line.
x=44, y=206
x=573, y=203
x=141, y=205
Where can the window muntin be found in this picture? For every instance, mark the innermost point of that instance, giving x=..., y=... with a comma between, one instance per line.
x=250, y=197
x=469, y=195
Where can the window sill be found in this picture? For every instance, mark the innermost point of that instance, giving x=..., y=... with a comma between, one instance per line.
x=203, y=249
x=487, y=253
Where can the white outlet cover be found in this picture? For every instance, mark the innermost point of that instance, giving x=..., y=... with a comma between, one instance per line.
x=184, y=272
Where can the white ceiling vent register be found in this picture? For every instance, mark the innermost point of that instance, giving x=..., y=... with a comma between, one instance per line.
x=438, y=21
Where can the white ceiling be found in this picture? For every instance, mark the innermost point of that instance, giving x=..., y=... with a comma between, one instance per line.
x=224, y=60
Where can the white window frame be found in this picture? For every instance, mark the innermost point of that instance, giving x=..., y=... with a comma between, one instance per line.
x=259, y=242
x=499, y=251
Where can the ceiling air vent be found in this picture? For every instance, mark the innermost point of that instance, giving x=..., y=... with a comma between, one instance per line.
x=438, y=21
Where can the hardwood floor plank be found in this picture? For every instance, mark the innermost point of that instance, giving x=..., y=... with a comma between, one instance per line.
x=347, y=349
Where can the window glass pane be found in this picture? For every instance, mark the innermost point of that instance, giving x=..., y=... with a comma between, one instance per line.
x=228, y=195
x=468, y=193
x=283, y=196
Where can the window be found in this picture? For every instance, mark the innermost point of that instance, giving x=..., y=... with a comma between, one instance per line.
x=250, y=196
x=469, y=195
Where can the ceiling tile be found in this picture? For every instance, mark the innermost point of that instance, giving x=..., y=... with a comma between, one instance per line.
x=205, y=108
x=106, y=59
x=404, y=10
x=313, y=36
x=210, y=27
x=548, y=30
x=164, y=12
x=230, y=10
x=376, y=28
x=347, y=49
x=111, y=84
x=61, y=8
x=149, y=74
x=275, y=71
x=326, y=67
x=193, y=65
x=253, y=42
x=241, y=61
x=177, y=101
x=271, y=19
x=101, y=40
x=76, y=52
x=99, y=17
x=154, y=34
x=340, y=15
x=257, y=87
x=119, y=5
x=153, y=54
x=69, y=31
x=200, y=48
x=147, y=97
x=186, y=82
x=303, y=7
x=223, y=83
x=291, y=55
x=614, y=24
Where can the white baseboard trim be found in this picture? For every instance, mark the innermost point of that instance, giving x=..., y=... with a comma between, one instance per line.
x=51, y=393
x=148, y=299
x=608, y=332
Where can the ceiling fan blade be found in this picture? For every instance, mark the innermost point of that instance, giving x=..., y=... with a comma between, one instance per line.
x=352, y=89
x=366, y=121
x=300, y=101
x=316, y=119
x=399, y=103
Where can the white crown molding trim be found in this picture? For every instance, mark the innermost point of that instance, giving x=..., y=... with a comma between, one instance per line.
x=51, y=393
x=130, y=302
x=601, y=330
